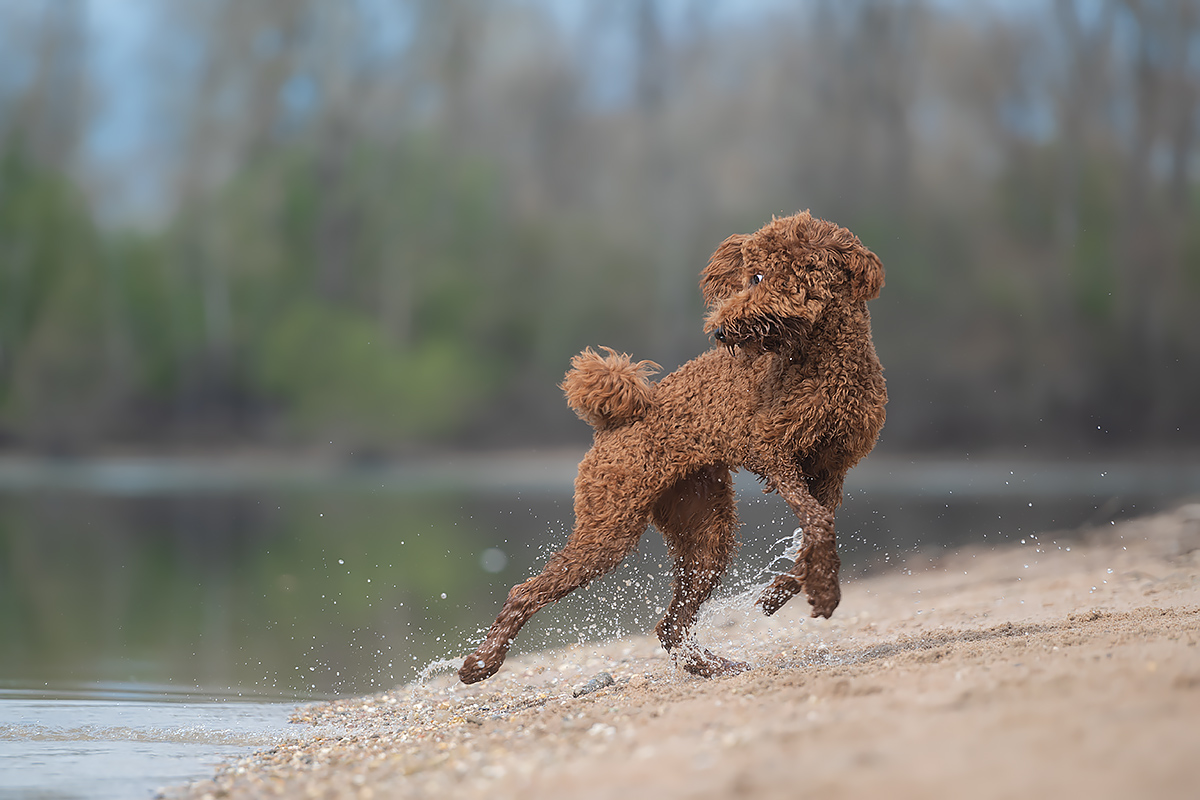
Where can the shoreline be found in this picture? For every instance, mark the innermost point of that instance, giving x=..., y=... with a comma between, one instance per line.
x=1029, y=668
x=553, y=471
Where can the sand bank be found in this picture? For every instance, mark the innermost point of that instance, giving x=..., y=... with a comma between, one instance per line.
x=1065, y=666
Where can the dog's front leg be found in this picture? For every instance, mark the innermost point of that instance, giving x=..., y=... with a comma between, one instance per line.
x=817, y=562
x=522, y=603
x=605, y=532
x=565, y=572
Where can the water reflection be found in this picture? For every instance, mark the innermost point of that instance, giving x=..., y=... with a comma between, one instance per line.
x=354, y=585
x=314, y=592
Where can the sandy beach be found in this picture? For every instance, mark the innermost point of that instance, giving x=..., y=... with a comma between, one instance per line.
x=1067, y=666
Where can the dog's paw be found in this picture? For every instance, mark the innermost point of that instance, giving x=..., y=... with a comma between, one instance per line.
x=476, y=668
x=706, y=664
x=782, y=589
x=823, y=593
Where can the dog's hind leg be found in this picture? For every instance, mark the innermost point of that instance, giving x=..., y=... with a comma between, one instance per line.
x=697, y=518
x=607, y=528
x=817, y=562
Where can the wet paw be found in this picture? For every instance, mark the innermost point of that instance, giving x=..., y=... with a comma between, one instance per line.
x=779, y=592
x=824, y=594
x=475, y=669
x=823, y=607
x=706, y=664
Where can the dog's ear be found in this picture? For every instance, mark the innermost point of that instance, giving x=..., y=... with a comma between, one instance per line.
x=722, y=277
x=866, y=273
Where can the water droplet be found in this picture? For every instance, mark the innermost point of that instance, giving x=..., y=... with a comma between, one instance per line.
x=493, y=560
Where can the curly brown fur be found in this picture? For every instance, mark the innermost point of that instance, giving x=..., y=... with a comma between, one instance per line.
x=795, y=395
x=609, y=390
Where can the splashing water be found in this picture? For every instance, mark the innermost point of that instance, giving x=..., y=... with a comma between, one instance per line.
x=789, y=548
x=427, y=672
x=433, y=668
x=630, y=600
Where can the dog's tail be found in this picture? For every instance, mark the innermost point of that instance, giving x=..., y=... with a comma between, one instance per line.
x=607, y=391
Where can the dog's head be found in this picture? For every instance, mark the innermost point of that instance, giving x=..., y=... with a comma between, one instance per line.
x=766, y=290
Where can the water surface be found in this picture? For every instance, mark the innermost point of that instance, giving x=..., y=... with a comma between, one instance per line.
x=124, y=741
x=323, y=578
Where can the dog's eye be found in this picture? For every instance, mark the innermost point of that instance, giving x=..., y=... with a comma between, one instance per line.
x=756, y=279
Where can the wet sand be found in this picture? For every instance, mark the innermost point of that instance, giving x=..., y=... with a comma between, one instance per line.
x=1065, y=666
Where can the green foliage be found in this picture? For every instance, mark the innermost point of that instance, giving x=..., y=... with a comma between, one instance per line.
x=45, y=229
x=365, y=306
x=335, y=371
x=361, y=312
x=156, y=323
x=1191, y=248
x=392, y=293
x=51, y=298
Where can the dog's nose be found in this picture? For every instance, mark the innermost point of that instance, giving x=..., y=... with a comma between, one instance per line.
x=719, y=333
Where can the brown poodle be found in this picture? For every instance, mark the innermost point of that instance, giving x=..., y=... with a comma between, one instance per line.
x=795, y=394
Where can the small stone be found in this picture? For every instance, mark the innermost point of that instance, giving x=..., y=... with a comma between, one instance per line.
x=601, y=680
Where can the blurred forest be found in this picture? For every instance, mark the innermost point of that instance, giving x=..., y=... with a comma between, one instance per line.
x=389, y=223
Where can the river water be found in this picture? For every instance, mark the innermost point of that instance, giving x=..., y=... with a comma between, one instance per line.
x=159, y=616
x=116, y=742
